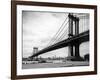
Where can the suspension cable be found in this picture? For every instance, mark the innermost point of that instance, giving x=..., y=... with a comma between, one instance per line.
x=58, y=32
x=61, y=36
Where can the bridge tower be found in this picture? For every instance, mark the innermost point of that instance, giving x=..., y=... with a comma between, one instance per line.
x=77, y=33
x=73, y=48
x=35, y=50
x=70, y=34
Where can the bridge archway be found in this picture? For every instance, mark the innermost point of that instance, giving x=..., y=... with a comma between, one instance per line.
x=84, y=48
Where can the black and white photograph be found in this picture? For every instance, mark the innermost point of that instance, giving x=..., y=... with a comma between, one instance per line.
x=55, y=39
x=51, y=39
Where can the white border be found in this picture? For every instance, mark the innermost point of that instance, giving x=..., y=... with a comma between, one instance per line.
x=21, y=71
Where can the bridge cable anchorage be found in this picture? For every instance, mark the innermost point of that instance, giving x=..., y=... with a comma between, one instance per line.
x=58, y=32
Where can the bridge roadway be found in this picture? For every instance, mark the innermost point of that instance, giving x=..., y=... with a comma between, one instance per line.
x=82, y=37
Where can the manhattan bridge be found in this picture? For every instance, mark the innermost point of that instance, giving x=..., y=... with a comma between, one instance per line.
x=71, y=29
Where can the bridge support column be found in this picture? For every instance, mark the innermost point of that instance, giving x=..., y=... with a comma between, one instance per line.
x=70, y=25
x=70, y=48
x=77, y=50
x=76, y=26
x=77, y=53
x=70, y=52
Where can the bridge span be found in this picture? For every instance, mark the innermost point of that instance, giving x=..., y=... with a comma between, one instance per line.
x=82, y=37
x=74, y=39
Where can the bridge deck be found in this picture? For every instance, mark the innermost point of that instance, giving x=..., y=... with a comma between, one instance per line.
x=82, y=37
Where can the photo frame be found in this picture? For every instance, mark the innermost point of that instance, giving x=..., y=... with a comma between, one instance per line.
x=32, y=21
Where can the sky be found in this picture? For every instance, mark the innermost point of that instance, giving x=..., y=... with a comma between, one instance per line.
x=40, y=27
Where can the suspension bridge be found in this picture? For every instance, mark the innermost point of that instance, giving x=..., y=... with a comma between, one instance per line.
x=69, y=35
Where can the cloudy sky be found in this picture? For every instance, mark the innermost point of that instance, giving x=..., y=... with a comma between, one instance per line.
x=40, y=27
